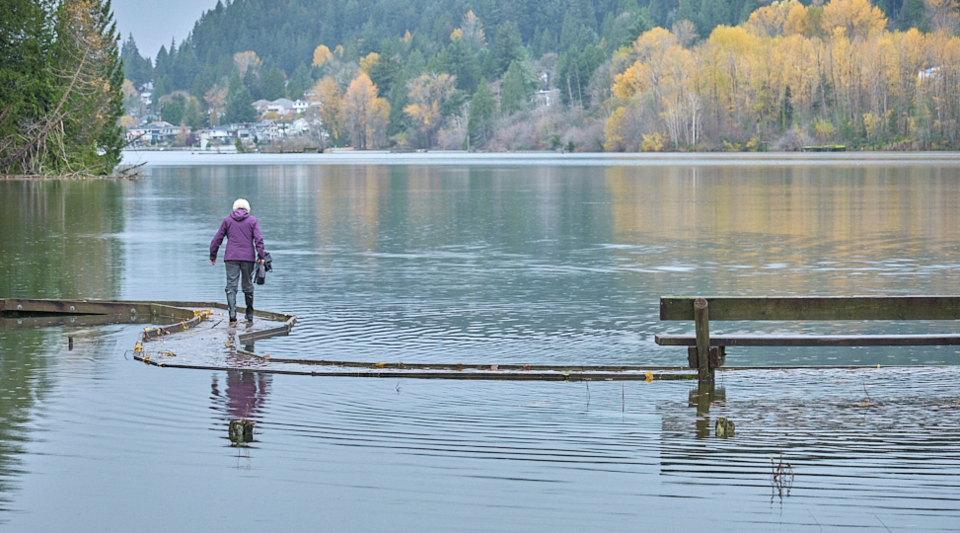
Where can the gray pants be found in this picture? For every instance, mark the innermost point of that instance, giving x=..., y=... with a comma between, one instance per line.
x=239, y=271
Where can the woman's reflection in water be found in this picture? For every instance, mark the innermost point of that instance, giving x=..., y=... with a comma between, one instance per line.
x=244, y=395
x=242, y=398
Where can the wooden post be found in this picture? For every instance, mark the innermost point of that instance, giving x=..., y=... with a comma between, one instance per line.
x=702, y=317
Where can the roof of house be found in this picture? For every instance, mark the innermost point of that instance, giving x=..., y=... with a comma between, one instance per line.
x=286, y=103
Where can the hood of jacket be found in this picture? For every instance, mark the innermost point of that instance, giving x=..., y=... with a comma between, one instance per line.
x=239, y=214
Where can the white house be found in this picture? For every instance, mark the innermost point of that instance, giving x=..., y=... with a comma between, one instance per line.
x=301, y=126
x=261, y=106
x=153, y=132
x=281, y=106
x=300, y=106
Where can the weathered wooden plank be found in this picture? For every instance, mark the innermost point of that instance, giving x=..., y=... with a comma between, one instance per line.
x=490, y=375
x=463, y=366
x=159, y=309
x=813, y=340
x=69, y=321
x=813, y=308
x=73, y=307
x=150, y=334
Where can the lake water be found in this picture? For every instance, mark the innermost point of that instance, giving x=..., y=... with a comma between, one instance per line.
x=533, y=259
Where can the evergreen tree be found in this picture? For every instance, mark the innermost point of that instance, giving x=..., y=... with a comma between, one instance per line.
x=913, y=15
x=60, y=81
x=570, y=33
x=415, y=64
x=384, y=73
x=712, y=14
x=300, y=83
x=398, y=101
x=272, y=85
x=507, y=47
x=664, y=12
x=192, y=116
x=27, y=84
x=786, y=110
x=136, y=68
x=513, y=96
x=173, y=109
x=239, y=102
x=641, y=24
x=482, y=108
x=464, y=66
x=440, y=62
x=252, y=83
x=574, y=71
x=162, y=84
x=185, y=67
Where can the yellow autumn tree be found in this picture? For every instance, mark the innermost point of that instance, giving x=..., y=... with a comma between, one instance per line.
x=832, y=69
x=859, y=18
x=733, y=63
x=428, y=93
x=367, y=63
x=798, y=21
x=650, y=50
x=771, y=20
x=613, y=131
x=320, y=55
x=327, y=94
x=366, y=114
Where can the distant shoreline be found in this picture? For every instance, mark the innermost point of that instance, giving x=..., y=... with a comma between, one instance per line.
x=507, y=159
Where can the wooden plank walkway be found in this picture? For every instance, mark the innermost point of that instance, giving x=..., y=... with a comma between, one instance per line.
x=197, y=335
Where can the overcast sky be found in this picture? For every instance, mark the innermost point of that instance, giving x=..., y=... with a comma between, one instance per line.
x=154, y=23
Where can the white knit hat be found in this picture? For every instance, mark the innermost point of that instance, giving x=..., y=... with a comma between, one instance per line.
x=241, y=204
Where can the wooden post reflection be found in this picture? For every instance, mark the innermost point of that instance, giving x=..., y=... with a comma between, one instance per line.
x=702, y=398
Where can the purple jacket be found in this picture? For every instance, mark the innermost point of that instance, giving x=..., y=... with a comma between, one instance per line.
x=242, y=233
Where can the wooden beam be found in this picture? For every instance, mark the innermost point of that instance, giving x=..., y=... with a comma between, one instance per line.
x=74, y=307
x=701, y=313
x=813, y=340
x=73, y=321
x=814, y=308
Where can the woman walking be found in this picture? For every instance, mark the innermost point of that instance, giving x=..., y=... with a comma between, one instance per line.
x=244, y=249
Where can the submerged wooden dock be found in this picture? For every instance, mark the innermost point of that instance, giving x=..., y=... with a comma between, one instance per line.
x=198, y=335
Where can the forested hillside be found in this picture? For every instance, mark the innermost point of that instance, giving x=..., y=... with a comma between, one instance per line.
x=488, y=73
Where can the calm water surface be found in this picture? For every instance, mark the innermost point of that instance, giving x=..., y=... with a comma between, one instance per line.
x=515, y=263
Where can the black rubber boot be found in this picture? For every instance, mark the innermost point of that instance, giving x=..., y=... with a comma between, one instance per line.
x=232, y=305
x=249, y=298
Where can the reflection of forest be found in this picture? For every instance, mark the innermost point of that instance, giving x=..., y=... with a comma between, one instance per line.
x=57, y=238
x=55, y=243
x=801, y=222
x=24, y=365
